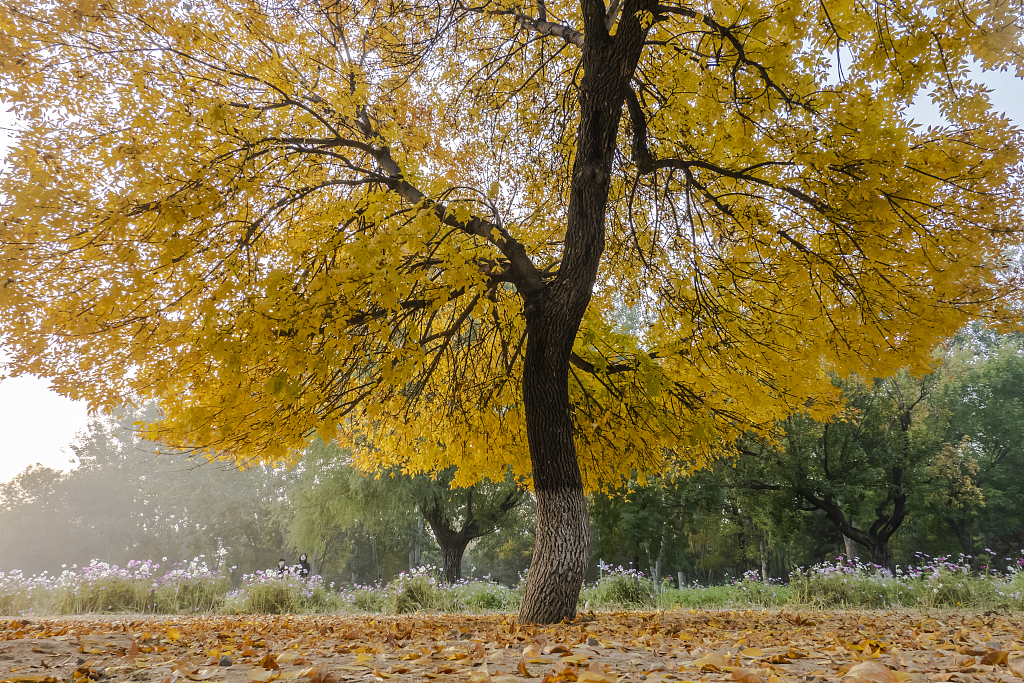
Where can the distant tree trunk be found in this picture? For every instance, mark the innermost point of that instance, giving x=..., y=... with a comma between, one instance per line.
x=417, y=550
x=876, y=538
x=453, y=553
x=850, y=547
x=452, y=541
x=959, y=529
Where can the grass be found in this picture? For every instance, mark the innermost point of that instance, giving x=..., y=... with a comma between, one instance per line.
x=932, y=582
x=142, y=587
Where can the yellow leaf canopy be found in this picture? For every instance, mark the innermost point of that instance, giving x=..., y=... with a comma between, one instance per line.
x=299, y=217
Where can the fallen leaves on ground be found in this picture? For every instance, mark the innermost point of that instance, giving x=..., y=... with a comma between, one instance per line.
x=703, y=647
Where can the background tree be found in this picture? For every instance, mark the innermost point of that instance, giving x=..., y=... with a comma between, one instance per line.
x=125, y=502
x=334, y=498
x=980, y=491
x=413, y=221
x=357, y=526
x=459, y=516
x=860, y=469
x=505, y=555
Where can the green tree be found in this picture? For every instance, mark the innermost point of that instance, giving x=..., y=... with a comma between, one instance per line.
x=332, y=498
x=859, y=469
x=981, y=499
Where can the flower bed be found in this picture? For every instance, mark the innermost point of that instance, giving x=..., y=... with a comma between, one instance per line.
x=144, y=587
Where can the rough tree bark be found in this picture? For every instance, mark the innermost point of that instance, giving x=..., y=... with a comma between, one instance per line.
x=553, y=317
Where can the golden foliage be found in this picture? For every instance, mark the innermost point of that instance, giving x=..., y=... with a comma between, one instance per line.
x=283, y=219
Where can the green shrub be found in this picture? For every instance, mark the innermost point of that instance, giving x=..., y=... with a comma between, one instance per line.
x=936, y=582
x=268, y=592
x=478, y=596
x=366, y=599
x=619, y=589
x=411, y=592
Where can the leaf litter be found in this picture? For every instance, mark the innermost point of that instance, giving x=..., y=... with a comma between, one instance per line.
x=702, y=647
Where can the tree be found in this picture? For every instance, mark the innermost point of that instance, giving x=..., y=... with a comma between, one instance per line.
x=332, y=498
x=459, y=515
x=979, y=493
x=412, y=220
x=124, y=502
x=347, y=520
x=862, y=466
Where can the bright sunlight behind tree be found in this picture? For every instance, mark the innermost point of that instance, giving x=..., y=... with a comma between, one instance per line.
x=411, y=225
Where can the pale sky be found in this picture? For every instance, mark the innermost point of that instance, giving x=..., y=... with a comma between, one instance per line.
x=37, y=425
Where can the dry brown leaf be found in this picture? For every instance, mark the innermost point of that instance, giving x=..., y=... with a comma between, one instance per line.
x=521, y=668
x=378, y=673
x=714, y=661
x=870, y=672
x=995, y=657
x=747, y=676
x=597, y=677
x=322, y=675
x=261, y=675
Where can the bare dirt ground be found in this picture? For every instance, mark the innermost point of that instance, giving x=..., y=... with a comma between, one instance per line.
x=777, y=646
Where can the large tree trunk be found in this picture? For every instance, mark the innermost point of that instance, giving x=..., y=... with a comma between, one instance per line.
x=563, y=527
x=553, y=317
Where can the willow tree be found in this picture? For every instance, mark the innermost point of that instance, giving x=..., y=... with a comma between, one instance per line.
x=410, y=224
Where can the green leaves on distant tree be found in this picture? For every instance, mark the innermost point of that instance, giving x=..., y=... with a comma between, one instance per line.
x=334, y=500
